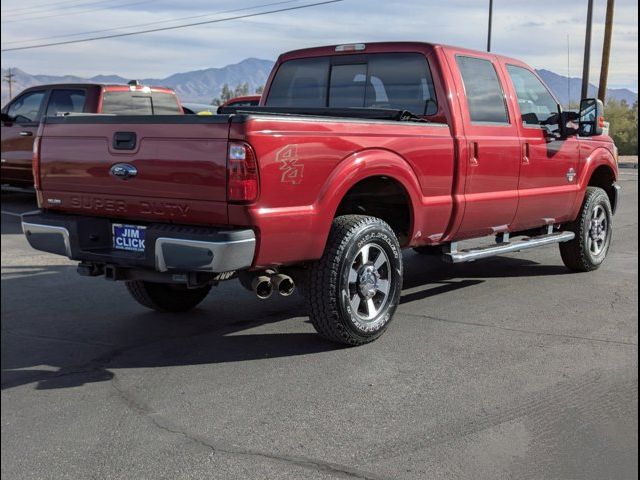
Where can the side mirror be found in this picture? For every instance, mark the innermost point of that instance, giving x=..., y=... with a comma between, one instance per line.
x=591, y=121
x=569, y=123
x=6, y=118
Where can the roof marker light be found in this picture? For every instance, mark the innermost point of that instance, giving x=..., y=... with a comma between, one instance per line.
x=351, y=47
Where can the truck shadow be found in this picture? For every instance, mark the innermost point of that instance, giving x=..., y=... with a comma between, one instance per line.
x=63, y=343
x=440, y=277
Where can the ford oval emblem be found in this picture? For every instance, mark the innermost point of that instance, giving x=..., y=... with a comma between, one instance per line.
x=123, y=171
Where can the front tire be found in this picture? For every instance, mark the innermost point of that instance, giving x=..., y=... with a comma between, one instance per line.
x=593, y=229
x=166, y=297
x=354, y=289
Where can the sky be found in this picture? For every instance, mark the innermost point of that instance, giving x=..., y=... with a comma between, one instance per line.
x=545, y=34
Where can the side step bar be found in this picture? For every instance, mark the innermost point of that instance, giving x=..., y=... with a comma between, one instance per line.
x=505, y=246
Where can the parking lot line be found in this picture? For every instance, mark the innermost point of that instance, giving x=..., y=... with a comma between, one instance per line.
x=14, y=214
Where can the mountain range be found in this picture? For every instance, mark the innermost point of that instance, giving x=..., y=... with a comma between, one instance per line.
x=202, y=86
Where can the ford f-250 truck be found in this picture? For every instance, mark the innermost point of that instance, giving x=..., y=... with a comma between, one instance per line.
x=355, y=152
x=21, y=116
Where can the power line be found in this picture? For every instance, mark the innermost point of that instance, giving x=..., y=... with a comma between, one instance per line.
x=237, y=17
x=80, y=12
x=158, y=22
x=36, y=8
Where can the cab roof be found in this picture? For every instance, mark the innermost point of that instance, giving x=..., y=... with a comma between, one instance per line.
x=106, y=86
x=385, y=47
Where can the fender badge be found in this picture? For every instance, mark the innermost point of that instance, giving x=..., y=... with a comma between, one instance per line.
x=571, y=175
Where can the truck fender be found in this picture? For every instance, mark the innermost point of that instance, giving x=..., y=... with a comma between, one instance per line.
x=599, y=157
x=354, y=168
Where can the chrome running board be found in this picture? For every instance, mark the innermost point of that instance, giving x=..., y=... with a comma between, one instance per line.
x=453, y=255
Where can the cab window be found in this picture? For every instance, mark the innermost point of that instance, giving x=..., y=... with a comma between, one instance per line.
x=66, y=101
x=485, y=97
x=400, y=81
x=26, y=108
x=140, y=103
x=537, y=105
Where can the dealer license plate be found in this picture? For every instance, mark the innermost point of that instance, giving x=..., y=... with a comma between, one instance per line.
x=128, y=237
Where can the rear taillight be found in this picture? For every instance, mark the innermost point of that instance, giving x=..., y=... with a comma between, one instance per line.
x=242, y=171
x=35, y=162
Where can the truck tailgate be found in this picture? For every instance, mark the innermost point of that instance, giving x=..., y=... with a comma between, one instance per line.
x=175, y=167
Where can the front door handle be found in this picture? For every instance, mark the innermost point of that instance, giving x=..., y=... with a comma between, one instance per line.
x=525, y=153
x=25, y=133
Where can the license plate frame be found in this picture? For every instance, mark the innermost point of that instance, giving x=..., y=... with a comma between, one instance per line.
x=129, y=238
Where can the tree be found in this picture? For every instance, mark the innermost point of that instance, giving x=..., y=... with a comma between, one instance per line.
x=623, y=121
x=259, y=90
x=241, y=90
x=227, y=93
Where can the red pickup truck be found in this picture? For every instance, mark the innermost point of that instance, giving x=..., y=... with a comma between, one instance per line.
x=21, y=116
x=355, y=152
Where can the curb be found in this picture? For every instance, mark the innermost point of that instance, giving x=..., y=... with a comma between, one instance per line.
x=633, y=166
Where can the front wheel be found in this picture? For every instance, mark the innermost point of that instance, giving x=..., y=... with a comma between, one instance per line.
x=354, y=289
x=593, y=229
x=166, y=297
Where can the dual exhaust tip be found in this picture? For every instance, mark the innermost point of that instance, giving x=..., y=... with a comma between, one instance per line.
x=264, y=286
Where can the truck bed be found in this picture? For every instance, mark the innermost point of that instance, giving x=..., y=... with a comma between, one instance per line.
x=302, y=159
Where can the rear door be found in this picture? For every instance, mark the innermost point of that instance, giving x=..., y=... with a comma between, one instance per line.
x=548, y=178
x=491, y=152
x=18, y=134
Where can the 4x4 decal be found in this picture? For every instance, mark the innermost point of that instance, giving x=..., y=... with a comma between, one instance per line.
x=291, y=168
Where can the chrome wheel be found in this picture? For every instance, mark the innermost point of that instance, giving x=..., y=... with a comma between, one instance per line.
x=598, y=230
x=369, y=282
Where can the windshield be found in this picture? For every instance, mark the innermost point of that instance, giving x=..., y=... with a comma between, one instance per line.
x=399, y=81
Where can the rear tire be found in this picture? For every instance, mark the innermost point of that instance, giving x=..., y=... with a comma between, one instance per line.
x=354, y=289
x=593, y=229
x=166, y=297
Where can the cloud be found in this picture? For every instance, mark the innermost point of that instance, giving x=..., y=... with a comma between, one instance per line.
x=519, y=30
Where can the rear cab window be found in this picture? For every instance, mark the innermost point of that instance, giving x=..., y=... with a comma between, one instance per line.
x=67, y=100
x=243, y=103
x=485, y=97
x=400, y=81
x=138, y=102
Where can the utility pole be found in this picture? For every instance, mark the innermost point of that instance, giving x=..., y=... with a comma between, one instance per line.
x=568, y=71
x=490, y=21
x=606, y=51
x=587, y=52
x=8, y=77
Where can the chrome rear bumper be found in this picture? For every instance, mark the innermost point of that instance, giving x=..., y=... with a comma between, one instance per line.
x=170, y=248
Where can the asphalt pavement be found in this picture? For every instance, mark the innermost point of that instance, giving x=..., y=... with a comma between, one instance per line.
x=509, y=367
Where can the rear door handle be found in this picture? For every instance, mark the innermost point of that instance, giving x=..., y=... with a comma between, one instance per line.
x=473, y=154
x=25, y=133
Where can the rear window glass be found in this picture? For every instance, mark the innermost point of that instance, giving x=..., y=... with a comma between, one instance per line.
x=66, y=101
x=140, y=103
x=399, y=81
x=244, y=103
x=485, y=97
